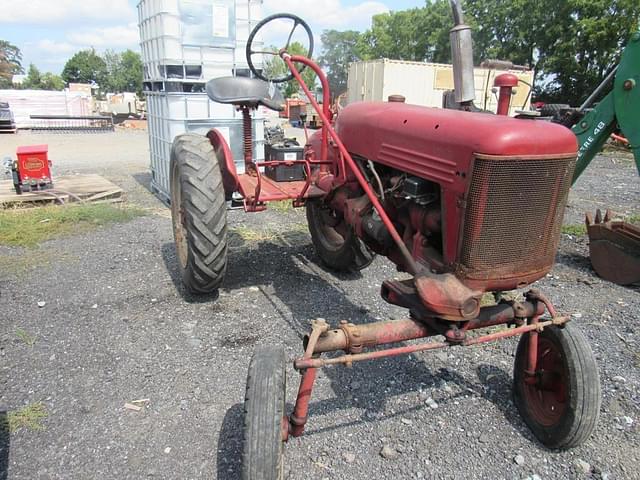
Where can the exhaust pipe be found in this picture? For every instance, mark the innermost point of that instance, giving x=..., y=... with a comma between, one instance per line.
x=462, y=57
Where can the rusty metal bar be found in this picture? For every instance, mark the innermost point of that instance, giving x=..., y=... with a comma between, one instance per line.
x=298, y=418
x=532, y=357
x=349, y=335
x=314, y=363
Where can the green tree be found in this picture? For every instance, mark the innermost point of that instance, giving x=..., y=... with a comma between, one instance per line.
x=339, y=49
x=10, y=63
x=86, y=66
x=39, y=81
x=51, y=81
x=419, y=34
x=124, y=71
x=275, y=67
x=583, y=44
x=571, y=44
x=132, y=71
x=34, y=78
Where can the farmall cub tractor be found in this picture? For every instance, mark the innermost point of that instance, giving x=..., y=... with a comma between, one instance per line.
x=464, y=202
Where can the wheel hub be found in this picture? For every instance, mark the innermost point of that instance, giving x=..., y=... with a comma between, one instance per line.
x=547, y=392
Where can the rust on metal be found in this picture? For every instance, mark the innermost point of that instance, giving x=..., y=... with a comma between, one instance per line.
x=447, y=297
x=354, y=338
x=497, y=247
x=298, y=418
x=314, y=363
x=614, y=248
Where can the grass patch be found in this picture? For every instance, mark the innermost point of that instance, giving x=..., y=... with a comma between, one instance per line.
x=28, y=260
x=29, y=417
x=243, y=234
x=282, y=206
x=575, y=230
x=635, y=219
x=31, y=226
x=487, y=299
x=251, y=235
x=27, y=338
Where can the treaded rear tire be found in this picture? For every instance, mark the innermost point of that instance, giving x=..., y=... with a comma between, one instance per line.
x=581, y=389
x=264, y=410
x=335, y=251
x=198, y=213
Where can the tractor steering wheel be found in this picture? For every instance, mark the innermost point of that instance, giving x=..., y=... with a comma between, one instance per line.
x=250, y=51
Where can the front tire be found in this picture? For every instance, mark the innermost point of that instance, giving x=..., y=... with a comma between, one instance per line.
x=335, y=242
x=198, y=213
x=563, y=404
x=264, y=416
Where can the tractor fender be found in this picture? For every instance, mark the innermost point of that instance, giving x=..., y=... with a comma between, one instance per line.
x=225, y=161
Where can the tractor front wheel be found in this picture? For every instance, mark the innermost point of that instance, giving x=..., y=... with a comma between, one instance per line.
x=561, y=402
x=198, y=213
x=265, y=422
x=336, y=243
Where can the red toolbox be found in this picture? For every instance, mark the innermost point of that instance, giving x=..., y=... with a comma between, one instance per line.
x=34, y=168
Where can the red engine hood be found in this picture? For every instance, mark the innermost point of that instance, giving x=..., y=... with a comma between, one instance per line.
x=439, y=144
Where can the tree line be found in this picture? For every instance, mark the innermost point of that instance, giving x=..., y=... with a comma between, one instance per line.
x=111, y=72
x=570, y=44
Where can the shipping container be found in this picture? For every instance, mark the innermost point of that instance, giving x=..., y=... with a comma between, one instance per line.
x=425, y=83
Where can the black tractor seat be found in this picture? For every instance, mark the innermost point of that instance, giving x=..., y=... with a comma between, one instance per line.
x=245, y=91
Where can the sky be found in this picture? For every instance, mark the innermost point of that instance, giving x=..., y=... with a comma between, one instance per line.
x=48, y=32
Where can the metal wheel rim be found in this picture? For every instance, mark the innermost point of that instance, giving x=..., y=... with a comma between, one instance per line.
x=547, y=398
x=179, y=232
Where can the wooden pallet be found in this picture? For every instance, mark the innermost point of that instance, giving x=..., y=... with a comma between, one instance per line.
x=89, y=188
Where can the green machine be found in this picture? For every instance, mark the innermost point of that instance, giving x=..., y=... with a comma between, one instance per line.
x=614, y=246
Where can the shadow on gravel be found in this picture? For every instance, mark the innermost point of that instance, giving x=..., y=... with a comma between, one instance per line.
x=575, y=260
x=297, y=289
x=4, y=445
x=168, y=252
x=144, y=179
x=230, y=444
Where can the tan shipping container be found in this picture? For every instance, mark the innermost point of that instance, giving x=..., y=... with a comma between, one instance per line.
x=425, y=83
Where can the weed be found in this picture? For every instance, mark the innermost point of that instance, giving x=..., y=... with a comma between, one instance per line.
x=635, y=219
x=255, y=236
x=28, y=417
x=14, y=264
x=27, y=338
x=29, y=227
x=282, y=206
x=487, y=299
x=575, y=230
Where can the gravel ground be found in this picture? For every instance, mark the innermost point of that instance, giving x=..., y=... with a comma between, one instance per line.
x=117, y=326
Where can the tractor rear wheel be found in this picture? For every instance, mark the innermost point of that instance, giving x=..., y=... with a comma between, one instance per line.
x=264, y=416
x=336, y=243
x=561, y=403
x=198, y=213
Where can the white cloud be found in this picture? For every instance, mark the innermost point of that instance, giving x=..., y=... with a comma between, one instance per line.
x=49, y=46
x=107, y=37
x=329, y=14
x=65, y=11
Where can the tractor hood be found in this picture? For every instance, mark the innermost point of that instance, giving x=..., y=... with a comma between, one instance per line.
x=440, y=144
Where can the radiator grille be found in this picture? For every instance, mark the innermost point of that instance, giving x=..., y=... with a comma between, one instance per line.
x=514, y=215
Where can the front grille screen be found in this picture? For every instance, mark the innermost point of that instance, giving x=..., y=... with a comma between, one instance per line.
x=514, y=215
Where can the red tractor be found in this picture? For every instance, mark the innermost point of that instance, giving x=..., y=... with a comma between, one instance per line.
x=464, y=202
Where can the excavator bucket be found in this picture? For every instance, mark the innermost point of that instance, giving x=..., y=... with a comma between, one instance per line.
x=614, y=248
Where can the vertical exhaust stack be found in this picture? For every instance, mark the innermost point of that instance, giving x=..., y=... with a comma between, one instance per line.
x=462, y=57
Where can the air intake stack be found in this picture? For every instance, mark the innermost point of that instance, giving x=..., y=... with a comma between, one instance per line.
x=462, y=57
